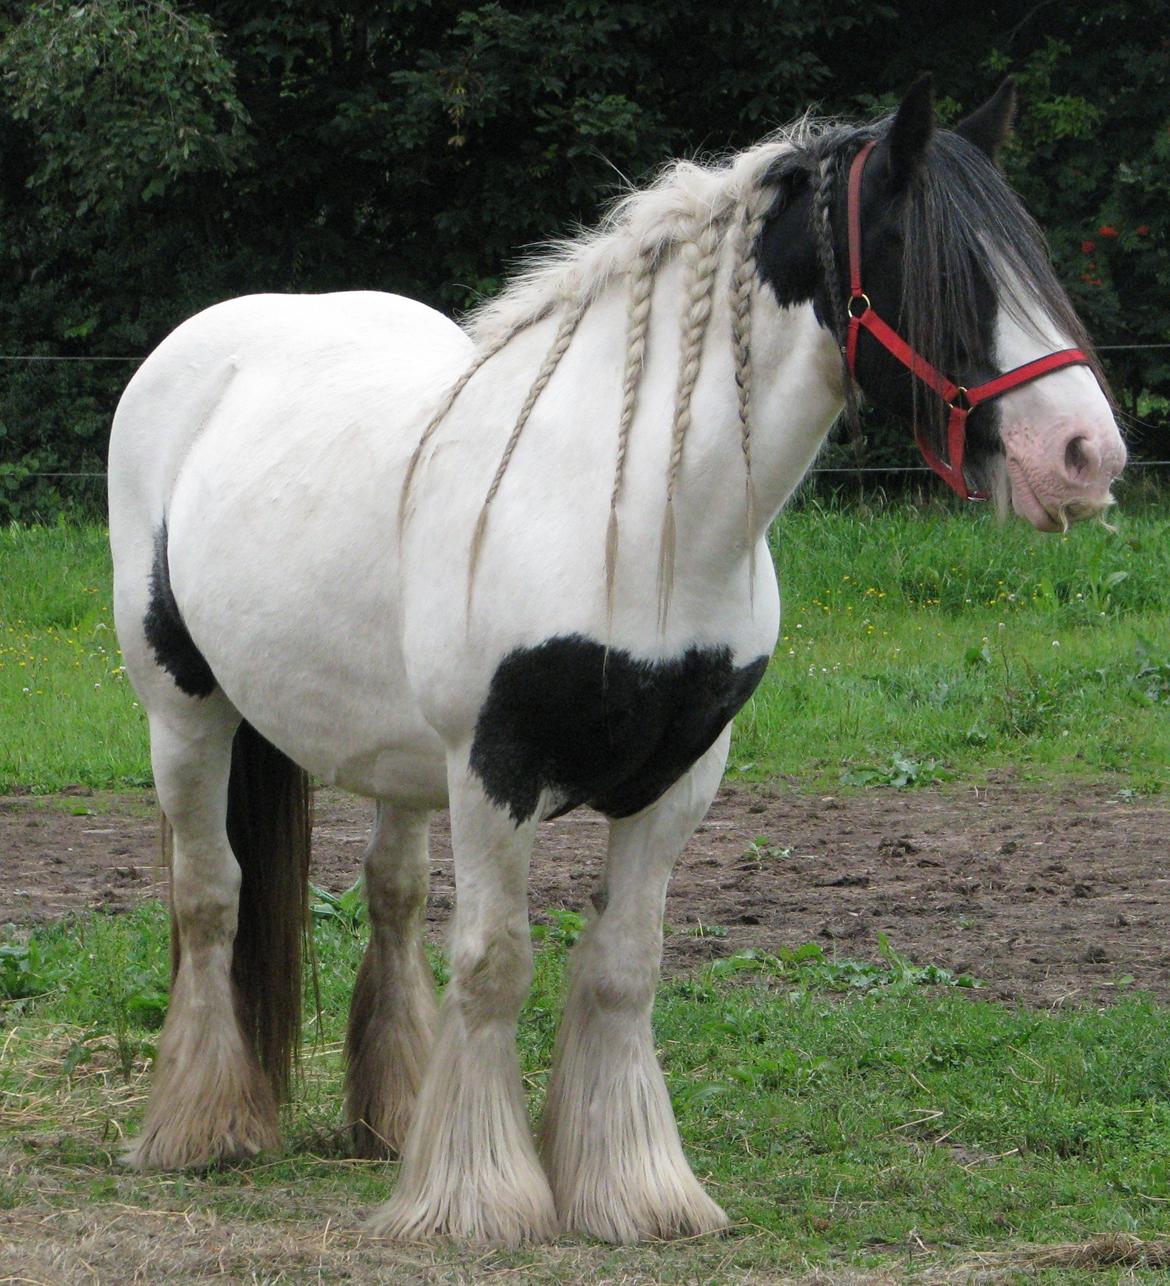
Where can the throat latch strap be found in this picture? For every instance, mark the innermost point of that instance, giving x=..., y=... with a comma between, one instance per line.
x=961, y=401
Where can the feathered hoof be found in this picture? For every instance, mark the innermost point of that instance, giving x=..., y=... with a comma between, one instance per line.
x=627, y=1217
x=482, y=1222
x=188, y=1147
x=369, y=1143
x=379, y=1111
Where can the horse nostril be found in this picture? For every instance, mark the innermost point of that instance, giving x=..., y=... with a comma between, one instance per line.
x=1076, y=458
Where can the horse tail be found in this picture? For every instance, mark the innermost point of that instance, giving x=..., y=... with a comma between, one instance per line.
x=269, y=826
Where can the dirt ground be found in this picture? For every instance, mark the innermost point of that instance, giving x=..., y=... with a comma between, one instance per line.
x=1049, y=896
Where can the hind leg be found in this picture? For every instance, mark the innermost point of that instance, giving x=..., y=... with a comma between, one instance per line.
x=610, y=1143
x=392, y=1013
x=210, y=1101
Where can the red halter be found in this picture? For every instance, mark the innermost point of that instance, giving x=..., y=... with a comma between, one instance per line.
x=960, y=400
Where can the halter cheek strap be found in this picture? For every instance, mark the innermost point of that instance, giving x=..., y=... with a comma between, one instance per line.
x=961, y=401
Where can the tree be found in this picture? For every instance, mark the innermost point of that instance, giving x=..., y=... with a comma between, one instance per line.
x=158, y=155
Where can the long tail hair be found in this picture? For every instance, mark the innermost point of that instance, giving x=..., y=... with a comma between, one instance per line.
x=269, y=824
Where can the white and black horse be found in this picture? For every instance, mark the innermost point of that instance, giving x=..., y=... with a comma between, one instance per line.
x=521, y=567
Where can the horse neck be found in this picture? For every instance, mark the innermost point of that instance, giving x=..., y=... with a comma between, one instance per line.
x=575, y=430
x=796, y=392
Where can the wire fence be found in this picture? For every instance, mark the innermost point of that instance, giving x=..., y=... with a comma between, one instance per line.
x=64, y=357
x=842, y=469
x=856, y=472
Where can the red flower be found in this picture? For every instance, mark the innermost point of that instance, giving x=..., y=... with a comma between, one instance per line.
x=1087, y=247
x=1107, y=230
x=1087, y=277
x=1142, y=229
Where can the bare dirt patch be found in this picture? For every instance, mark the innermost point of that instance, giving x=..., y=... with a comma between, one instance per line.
x=1049, y=895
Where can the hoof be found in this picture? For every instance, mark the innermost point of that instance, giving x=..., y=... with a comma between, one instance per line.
x=186, y=1146
x=464, y=1219
x=625, y=1218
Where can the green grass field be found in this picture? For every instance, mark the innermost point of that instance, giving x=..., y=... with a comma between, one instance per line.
x=940, y=637
x=845, y=1115
x=874, y=1119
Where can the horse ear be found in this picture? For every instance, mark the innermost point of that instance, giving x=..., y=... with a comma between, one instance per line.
x=987, y=127
x=910, y=132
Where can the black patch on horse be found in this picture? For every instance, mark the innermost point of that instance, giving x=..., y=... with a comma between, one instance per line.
x=165, y=632
x=601, y=728
x=786, y=254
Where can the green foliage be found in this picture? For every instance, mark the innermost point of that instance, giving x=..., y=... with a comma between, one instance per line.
x=215, y=149
x=809, y=967
x=560, y=929
x=346, y=909
x=22, y=971
x=126, y=97
x=1095, y=76
x=841, y=1110
x=110, y=976
x=902, y=771
x=1152, y=680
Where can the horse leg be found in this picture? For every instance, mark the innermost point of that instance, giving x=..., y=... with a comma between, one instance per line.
x=610, y=1143
x=210, y=1101
x=392, y=1013
x=470, y=1169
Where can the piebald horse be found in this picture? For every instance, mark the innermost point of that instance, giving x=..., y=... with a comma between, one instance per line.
x=520, y=566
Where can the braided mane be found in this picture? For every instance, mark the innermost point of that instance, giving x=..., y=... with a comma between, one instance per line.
x=962, y=214
x=691, y=210
x=651, y=224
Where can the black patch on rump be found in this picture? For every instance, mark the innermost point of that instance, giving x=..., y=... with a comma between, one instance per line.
x=167, y=635
x=601, y=728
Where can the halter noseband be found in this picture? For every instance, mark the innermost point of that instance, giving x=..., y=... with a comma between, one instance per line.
x=961, y=401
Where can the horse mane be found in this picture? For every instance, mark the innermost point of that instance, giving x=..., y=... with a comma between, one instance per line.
x=639, y=231
x=962, y=220
x=689, y=209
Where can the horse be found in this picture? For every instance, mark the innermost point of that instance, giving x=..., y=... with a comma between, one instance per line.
x=517, y=566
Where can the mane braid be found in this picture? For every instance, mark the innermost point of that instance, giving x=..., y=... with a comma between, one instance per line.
x=743, y=271
x=701, y=254
x=574, y=311
x=824, y=183
x=641, y=287
x=484, y=355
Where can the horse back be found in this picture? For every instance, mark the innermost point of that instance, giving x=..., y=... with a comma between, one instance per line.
x=358, y=345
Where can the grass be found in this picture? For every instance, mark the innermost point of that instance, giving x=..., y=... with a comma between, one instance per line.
x=933, y=637
x=68, y=713
x=882, y=1126
x=963, y=647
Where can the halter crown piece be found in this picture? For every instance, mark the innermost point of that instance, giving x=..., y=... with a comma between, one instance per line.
x=961, y=401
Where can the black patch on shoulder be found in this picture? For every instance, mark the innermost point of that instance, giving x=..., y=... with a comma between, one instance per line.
x=601, y=729
x=786, y=256
x=166, y=633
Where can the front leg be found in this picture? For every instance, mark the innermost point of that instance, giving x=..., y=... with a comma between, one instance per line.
x=610, y=1142
x=470, y=1169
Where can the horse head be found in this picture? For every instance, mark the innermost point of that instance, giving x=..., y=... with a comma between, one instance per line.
x=929, y=272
